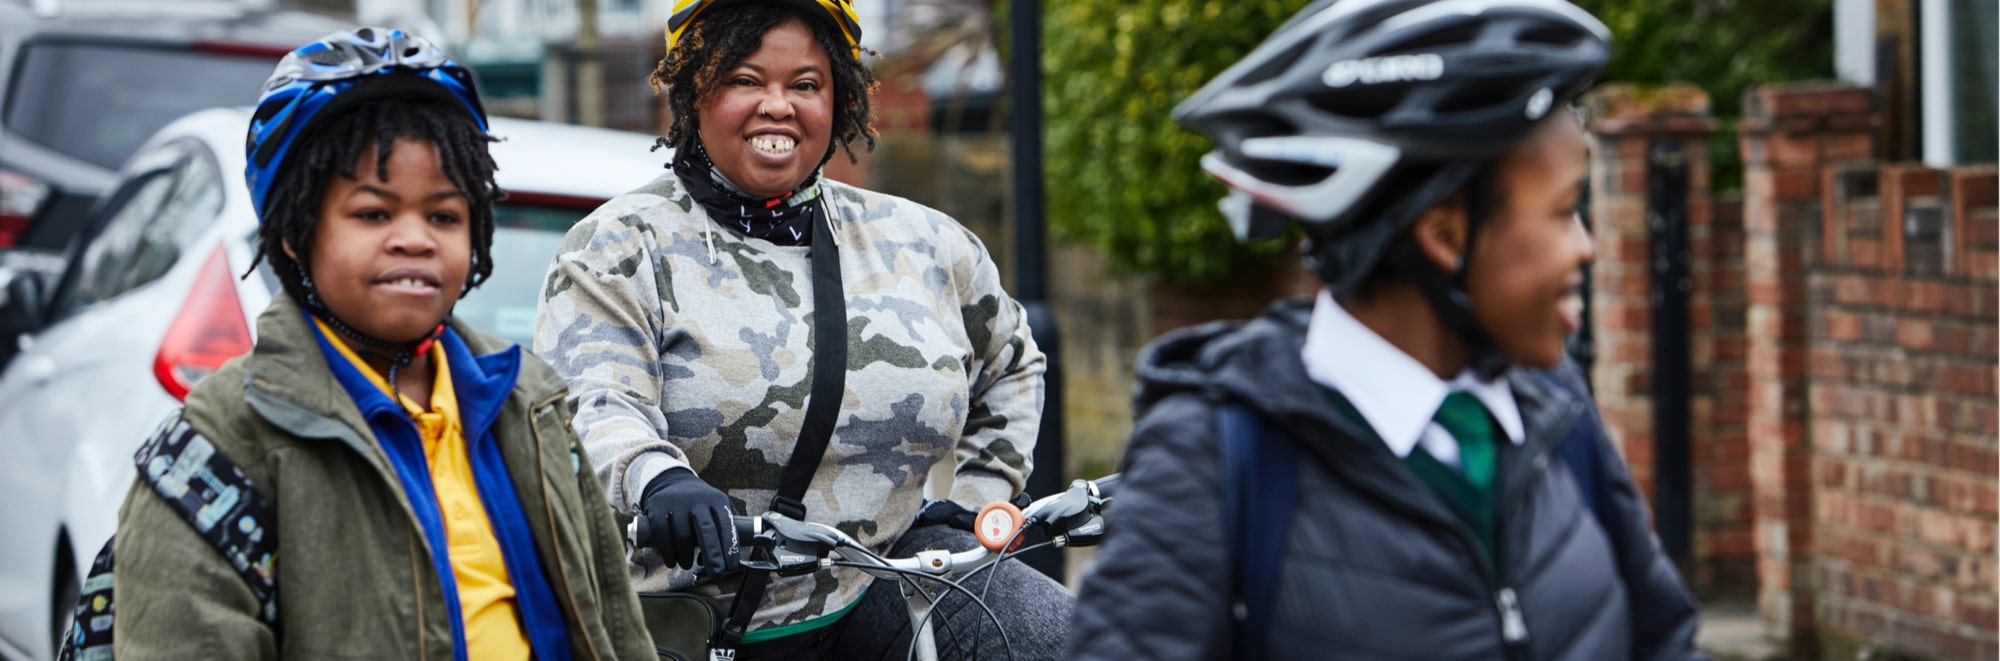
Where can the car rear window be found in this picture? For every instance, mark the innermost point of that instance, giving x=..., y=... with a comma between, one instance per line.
x=100, y=101
x=525, y=239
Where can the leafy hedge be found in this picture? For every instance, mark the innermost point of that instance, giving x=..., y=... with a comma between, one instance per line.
x=1122, y=176
x=1721, y=46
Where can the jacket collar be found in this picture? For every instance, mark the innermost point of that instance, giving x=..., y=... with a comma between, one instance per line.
x=290, y=383
x=1259, y=364
x=1397, y=395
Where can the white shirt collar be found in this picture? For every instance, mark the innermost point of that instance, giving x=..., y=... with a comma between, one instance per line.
x=1397, y=395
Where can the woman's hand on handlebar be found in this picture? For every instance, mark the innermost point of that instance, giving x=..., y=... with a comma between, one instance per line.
x=689, y=523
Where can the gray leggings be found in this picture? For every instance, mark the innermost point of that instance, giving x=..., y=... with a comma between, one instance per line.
x=1034, y=609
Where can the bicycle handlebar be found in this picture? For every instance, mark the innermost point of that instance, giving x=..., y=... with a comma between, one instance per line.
x=774, y=542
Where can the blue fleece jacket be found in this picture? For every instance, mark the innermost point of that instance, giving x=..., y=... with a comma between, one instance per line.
x=483, y=384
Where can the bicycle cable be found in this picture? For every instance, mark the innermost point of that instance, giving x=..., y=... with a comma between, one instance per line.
x=945, y=628
x=1005, y=553
x=918, y=589
x=1005, y=643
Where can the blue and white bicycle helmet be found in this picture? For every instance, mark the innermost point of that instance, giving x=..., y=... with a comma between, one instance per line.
x=338, y=70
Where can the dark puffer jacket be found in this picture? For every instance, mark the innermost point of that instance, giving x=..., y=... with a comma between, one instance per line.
x=1375, y=567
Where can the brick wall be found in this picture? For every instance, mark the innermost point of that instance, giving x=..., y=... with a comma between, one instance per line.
x=1724, y=549
x=1628, y=121
x=1789, y=135
x=1843, y=339
x=1902, y=387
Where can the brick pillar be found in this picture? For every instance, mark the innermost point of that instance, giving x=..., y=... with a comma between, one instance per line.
x=1789, y=134
x=1724, y=564
x=1626, y=122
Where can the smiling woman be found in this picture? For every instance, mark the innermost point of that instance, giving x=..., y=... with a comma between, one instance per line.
x=743, y=335
x=768, y=121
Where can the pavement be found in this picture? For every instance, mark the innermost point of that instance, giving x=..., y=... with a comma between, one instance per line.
x=1735, y=633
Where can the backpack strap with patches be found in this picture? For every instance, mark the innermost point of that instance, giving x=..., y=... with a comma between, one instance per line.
x=214, y=496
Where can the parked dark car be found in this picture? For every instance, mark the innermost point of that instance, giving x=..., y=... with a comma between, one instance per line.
x=82, y=84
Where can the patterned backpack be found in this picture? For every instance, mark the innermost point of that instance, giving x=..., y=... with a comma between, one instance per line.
x=211, y=492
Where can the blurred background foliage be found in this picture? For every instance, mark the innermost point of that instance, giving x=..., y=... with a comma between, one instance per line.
x=1124, y=179
x=1722, y=46
x=1122, y=176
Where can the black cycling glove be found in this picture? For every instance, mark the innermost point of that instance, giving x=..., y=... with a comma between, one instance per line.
x=947, y=513
x=950, y=513
x=691, y=523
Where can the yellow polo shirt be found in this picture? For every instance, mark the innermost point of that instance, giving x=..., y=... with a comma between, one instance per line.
x=485, y=595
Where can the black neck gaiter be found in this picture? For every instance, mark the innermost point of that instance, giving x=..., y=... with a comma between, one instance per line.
x=785, y=220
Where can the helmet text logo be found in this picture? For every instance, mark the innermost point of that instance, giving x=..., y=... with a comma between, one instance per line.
x=1394, y=68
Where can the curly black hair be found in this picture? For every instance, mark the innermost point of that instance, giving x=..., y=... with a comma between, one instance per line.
x=724, y=36
x=333, y=145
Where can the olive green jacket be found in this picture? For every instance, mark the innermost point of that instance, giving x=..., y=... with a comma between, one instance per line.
x=355, y=580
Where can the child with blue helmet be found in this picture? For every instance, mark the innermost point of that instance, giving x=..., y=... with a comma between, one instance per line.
x=409, y=486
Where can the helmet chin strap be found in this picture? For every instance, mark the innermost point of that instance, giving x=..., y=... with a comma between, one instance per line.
x=399, y=354
x=1445, y=291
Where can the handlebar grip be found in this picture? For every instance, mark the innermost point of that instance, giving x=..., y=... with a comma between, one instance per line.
x=640, y=532
x=747, y=526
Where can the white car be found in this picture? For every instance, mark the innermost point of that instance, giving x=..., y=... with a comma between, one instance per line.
x=154, y=303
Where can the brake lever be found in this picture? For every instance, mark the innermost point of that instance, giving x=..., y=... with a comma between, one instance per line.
x=1066, y=510
x=1077, y=513
x=1087, y=532
x=796, y=547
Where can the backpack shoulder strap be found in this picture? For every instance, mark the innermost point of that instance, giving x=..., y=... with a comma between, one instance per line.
x=89, y=637
x=1579, y=450
x=1260, y=473
x=214, y=496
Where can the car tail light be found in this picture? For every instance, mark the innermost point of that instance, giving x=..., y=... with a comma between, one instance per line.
x=209, y=330
x=20, y=196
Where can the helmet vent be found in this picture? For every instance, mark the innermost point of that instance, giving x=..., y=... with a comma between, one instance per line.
x=1246, y=125
x=1286, y=173
x=266, y=111
x=1368, y=103
x=1551, y=35
x=1275, y=66
x=1484, y=93
x=1451, y=35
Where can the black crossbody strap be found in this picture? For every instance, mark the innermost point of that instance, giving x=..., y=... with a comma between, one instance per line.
x=829, y=383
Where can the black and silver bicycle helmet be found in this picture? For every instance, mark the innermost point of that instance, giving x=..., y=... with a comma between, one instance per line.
x=1353, y=102
x=1314, y=120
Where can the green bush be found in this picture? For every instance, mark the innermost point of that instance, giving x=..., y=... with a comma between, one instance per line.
x=1122, y=176
x=1722, y=46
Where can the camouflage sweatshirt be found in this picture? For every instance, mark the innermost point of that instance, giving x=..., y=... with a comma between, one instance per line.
x=682, y=354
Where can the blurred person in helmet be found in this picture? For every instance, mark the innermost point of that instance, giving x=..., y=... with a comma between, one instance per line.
x=408, y=485
x=1427, y=150
x=688, y=316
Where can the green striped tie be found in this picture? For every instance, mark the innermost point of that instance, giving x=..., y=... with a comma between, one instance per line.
x=1467, y=420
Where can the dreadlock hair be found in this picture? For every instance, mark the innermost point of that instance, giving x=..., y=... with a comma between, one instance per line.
x=724, y=36
x=333, y=145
